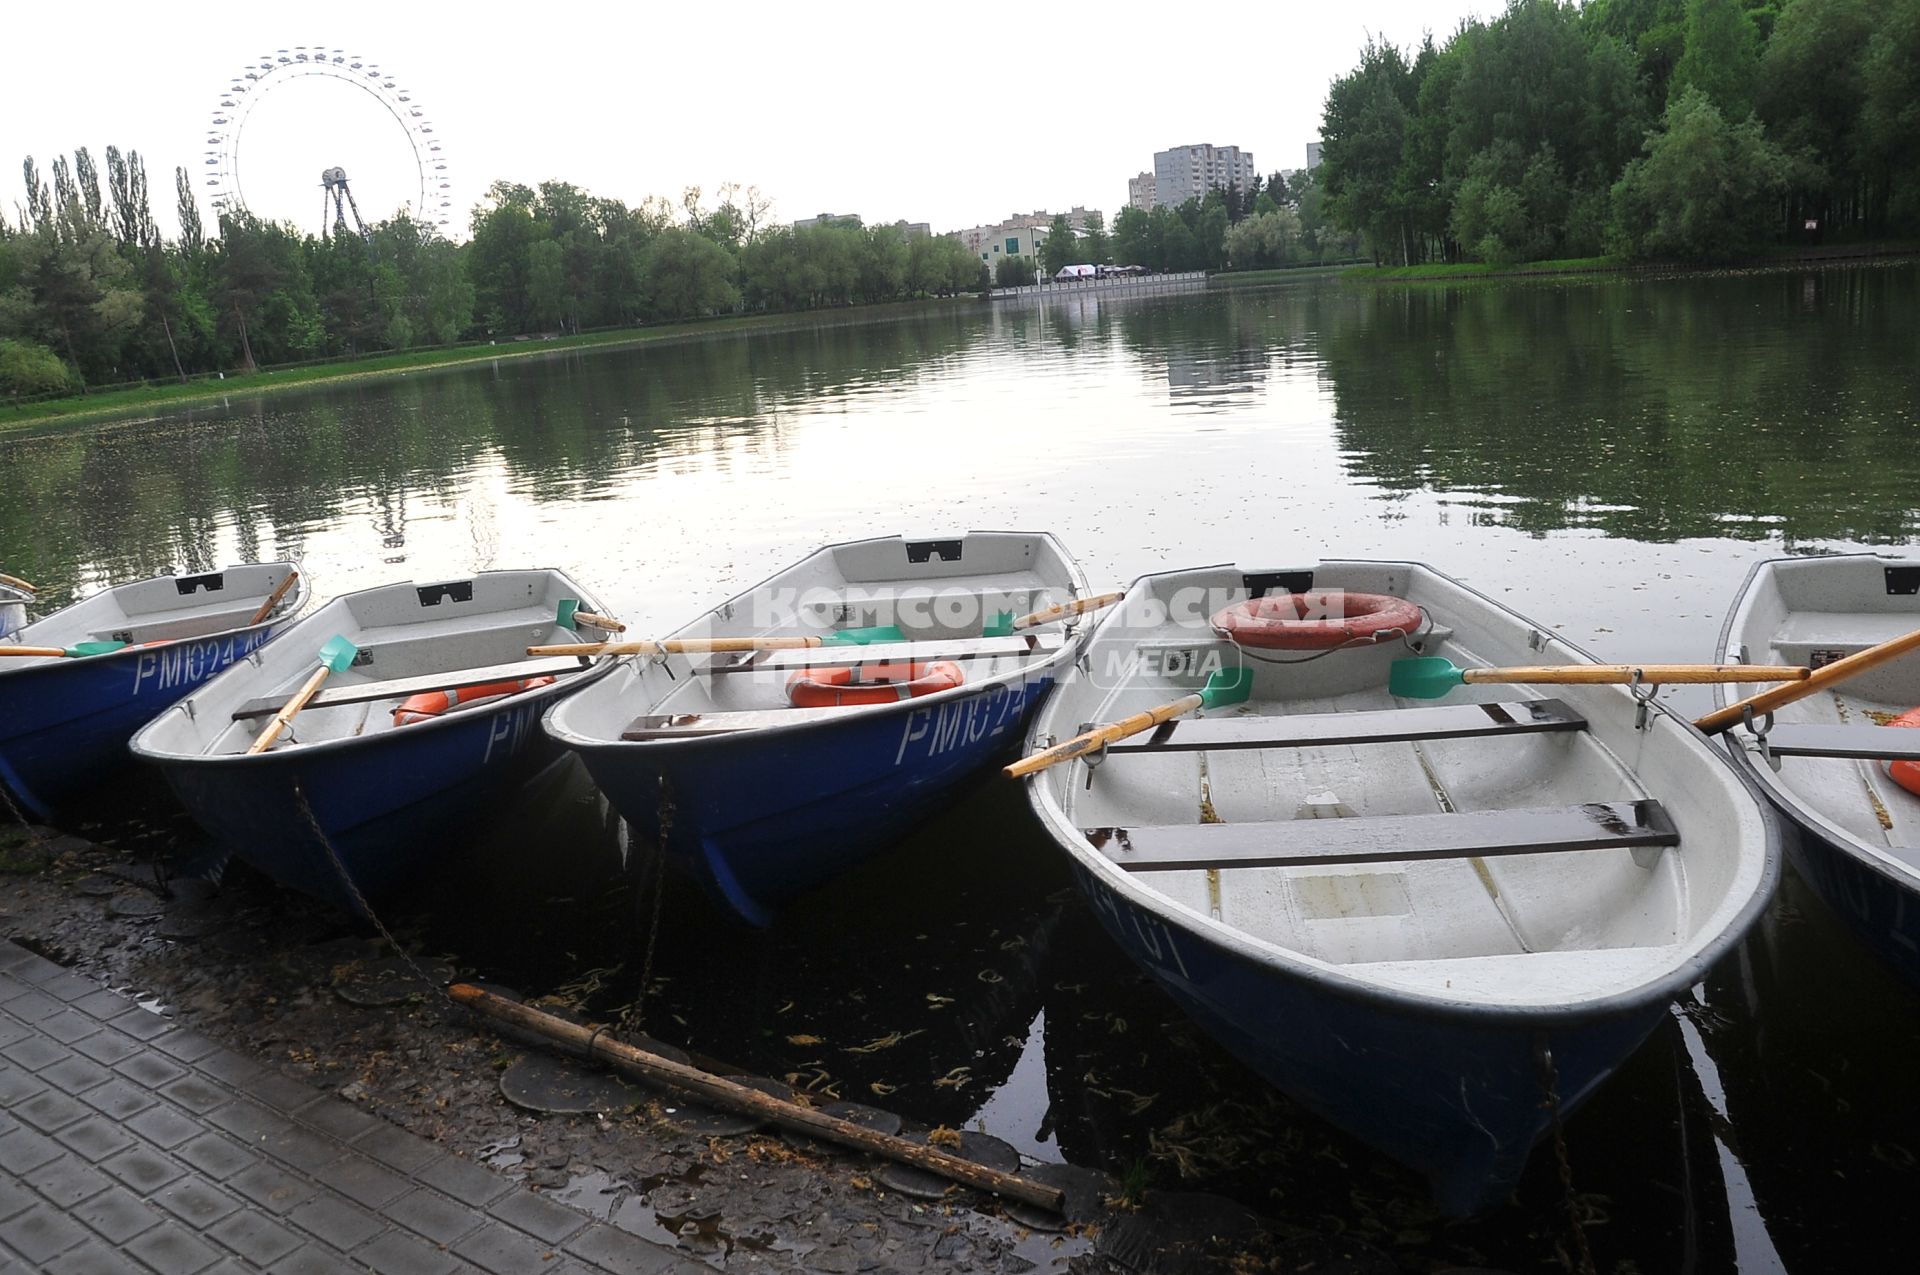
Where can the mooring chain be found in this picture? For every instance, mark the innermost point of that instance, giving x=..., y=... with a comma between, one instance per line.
x=1550, y=1086
x=359, y=899
x=635, y=1014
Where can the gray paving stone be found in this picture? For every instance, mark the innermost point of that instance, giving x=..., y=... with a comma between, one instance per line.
x=13, y=958
x=32, y=1005
x=396, y=1253
x=272, y=1187
x=66, y=1181
x=231, y=1266
x=195, y=1094
x=540, y=1217
x=464, y=1180
x=50, y=1111
x=498, y=1248
x=12, y=1029
x=397, y=1148
x=76, y=1075
x=282, y=1093
x=107, y=1046
x=95, y=1138
x=42, y=1232
x=68, y=1026
x=118, y=1099
x=172, y=1249
x=143, y=1025
x=17, y=1084
x=68, y=986
x=14, y=1198
x=143, y=1169
x=36, y=1052
x=102, y=1004
x=149, y=1069
x=118, y=1214
x=248, y=1121
x=187, y=1046
x=611, y=1249
x=339, y=1223
x=259, y=1239
x=364, y=1180
x=23, y=1149
x=225, y=1065
x=196, y=1202
x=429, y=1213
x=313, y=1261
x=216, y=1155
x=334, y=1115
x=164, y=1126
x=91, y=1258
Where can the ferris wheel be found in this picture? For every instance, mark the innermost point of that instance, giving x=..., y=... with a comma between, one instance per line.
x=432, y=203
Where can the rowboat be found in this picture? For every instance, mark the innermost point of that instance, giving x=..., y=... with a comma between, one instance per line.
x=65, y=719
x=1438, y=926
x=13, y=609
x=760, y=800
x=435, y=717
x=1834, y=764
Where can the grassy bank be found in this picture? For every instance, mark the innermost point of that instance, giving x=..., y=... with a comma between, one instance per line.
x=1256, y=278
x=1484, y=269
x=1834, y=254
x=141, y=399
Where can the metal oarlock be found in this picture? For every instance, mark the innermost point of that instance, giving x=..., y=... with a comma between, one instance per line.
x=1643, y=693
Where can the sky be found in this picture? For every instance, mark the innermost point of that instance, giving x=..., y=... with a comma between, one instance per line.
x=941, y=114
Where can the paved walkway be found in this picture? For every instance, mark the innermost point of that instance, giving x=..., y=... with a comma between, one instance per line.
x=128, y=1143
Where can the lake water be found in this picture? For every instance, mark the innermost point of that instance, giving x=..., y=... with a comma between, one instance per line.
x=1607, y=456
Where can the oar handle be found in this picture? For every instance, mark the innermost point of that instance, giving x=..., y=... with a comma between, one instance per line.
x=54, y=651
x=605, y=623
x=1079, y=606
x=273, y=599
x=284, y=718
x=18, y=583
x=1100, y=736
x=1838, y=671
x=679, y=646
x=1653, y=674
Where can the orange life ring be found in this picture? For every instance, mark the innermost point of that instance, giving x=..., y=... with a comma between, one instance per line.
x=1316, y=621
x=871, y=683
x=430, y=704
x=1906, y=773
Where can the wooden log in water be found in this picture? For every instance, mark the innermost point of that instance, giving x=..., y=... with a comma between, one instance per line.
x=593, y=1042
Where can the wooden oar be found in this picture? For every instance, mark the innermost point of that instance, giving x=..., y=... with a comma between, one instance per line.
x=1432, y=676
x=1228, y=686
x=17, y=583
x=336, y=653
x=273, y=599
x=73, y=652
x=1047, y=615
x=703, y=646
x=1838, y=671
x=570, y=617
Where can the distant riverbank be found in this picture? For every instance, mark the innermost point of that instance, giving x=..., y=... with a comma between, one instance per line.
x=135, y=400
x=1466, y=271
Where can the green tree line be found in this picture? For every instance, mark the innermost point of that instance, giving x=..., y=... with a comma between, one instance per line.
x=1674, y=129
x=91, y=294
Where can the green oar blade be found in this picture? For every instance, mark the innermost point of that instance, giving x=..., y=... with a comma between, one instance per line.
x=336, y=653
x=1001, y=625
x=94, y=648
x=1228, y=686
x=1424, y=677
x=569, y=607
x=860, y=637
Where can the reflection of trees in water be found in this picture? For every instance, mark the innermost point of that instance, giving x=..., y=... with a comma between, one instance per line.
x=1659, y=409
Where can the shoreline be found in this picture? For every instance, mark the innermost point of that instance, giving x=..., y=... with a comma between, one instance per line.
x=130, y=403
x=1478, y=271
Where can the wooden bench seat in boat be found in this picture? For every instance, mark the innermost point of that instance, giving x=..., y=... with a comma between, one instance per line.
x=401, y=687
x=1288, y=843
x=1863, y=743
x=1393, y=725
x=882, y=652
x=725, y=722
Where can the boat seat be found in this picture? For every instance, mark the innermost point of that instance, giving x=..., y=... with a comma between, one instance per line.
x=1290, y=843
x=879, y=652
x=1394, y=725
x=1865, y=743
x=401, y=687
x=688, y=725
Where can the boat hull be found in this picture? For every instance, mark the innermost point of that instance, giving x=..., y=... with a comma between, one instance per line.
x=762, y=817
x=1461, y=1099
x=64, y=725
x=389, y=808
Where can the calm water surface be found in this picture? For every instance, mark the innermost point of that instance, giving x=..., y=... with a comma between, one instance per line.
x=1609, y=457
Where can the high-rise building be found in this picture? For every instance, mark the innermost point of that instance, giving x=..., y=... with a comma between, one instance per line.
x=1313, y=156
x=1140, y=191
x=1189, y=172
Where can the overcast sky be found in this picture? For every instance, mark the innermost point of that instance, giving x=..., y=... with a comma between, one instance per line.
x=945, y=114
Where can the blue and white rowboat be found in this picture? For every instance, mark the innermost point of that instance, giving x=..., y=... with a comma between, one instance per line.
x=1823, y=760
x=352, y=791
x=1419, y=920
x=761, y=801
x=65, y=721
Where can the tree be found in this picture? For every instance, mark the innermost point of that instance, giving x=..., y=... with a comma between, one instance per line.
x=1890, y=114
x=192, y=237
x=689, y=275
x=1060, y=248
x=1095, y=245
x=1705, y=188
x=1013, y=272
x=26, y=368
x=1363, y=133
x=1722, y=57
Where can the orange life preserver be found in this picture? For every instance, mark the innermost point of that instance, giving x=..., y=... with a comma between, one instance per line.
x=430, y=704
x=884, y=683
x=1316, y=621
x=1906, y=773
